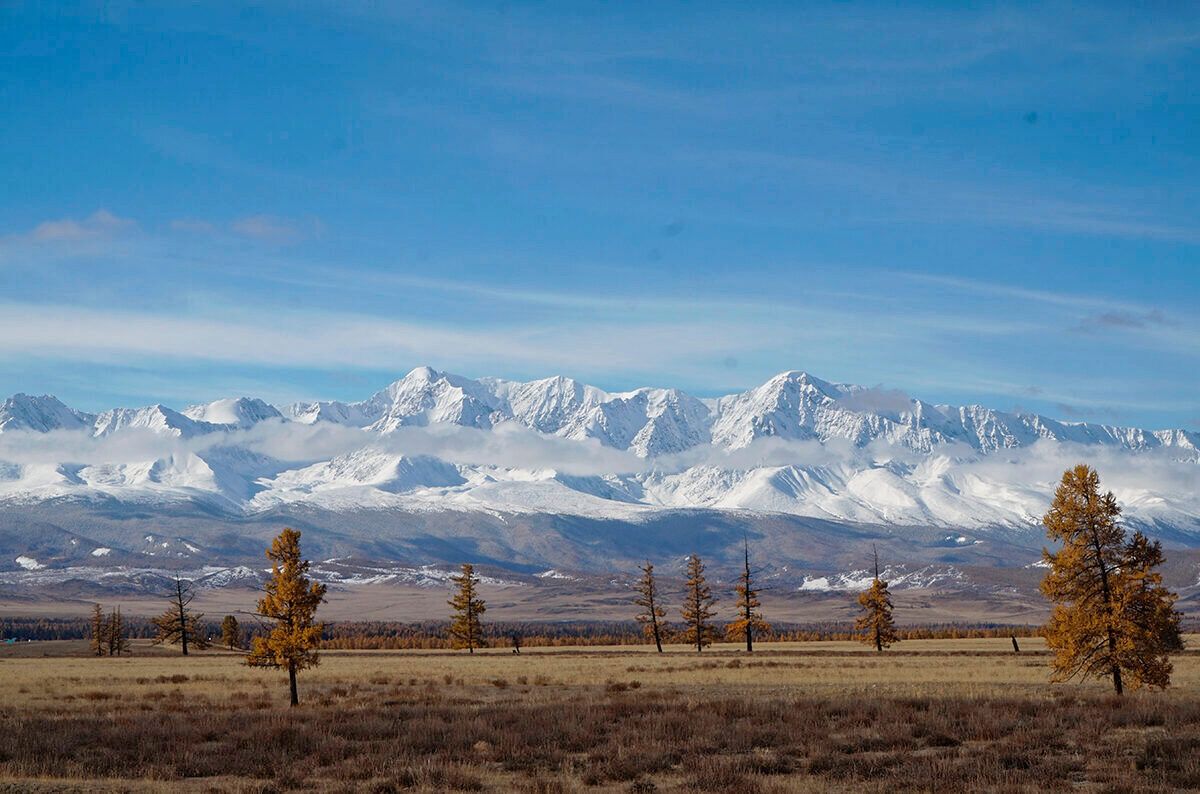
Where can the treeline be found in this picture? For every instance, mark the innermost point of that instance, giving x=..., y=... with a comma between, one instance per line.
x=937, y=631
x=435, y=634
x=68, y=628
x=432, y=634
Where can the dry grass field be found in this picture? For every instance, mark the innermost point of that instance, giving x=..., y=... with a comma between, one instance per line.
x=925, y=715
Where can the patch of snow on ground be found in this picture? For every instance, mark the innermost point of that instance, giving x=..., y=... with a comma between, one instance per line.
x=853, y=580
x=29, y=563
x=553, y=574
x=221, y=577
x=101, y=552
x=922, y=578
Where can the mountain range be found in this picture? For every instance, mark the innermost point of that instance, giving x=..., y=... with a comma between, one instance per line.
x=435, y=461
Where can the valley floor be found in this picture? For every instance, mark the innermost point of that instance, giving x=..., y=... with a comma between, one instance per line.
x=925, y=715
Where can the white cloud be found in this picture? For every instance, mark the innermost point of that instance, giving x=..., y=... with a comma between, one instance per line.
x=71, y=234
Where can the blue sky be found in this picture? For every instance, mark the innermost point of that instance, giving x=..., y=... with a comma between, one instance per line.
x=998, y=204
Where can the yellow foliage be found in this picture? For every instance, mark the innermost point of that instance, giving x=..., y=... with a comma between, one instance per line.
x=291, y=601
x=876, y=620
x=697, y=610
x=466, y=630
x=1112, y=616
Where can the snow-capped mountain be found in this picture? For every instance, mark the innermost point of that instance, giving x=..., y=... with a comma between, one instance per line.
x=41, y=414
x=795, y=405
x=155, y=418
x=435, y=441
x=240, y=412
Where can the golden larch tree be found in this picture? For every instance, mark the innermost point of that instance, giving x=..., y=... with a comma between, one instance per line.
x=231, y=632
x=466, y=630
x=179, y=625
x=1112, y=616
x=697, y=610
x=1148, y=603
x=749, y=620
x=876, y=622
x=653, y=612
x=291, y=601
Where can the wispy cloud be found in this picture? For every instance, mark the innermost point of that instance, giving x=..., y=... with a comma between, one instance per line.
x=1123, y=320
x=1153, y=327
x=283, y=338
x=67, y=234
x=996, y=289
x=273, y=229
x=100, y=223
x=918, y=193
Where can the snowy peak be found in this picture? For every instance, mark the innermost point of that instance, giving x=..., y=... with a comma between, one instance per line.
x=239, y=412
x=40, y=414
x=548, y=405
x=647, y=421
x=155, y=418
x=425, y=396
x=338, y=413
x=792, y=405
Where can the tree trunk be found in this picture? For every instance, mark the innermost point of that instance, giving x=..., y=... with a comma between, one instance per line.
x=182, y=616
x=1016, y=648
x=292, y=682
x=747, y=595
x=657, y=635
x=1112, y=638
x=878, y=641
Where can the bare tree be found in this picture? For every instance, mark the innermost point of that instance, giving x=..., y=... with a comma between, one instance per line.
x=99, y=642
x=749, y=620
x=652, y=609
x=116, y=634
x=179, y=625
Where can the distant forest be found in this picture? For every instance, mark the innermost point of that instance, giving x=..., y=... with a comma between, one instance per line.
x=433, y=634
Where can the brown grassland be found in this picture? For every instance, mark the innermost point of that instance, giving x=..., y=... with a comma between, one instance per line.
x=831, y=716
